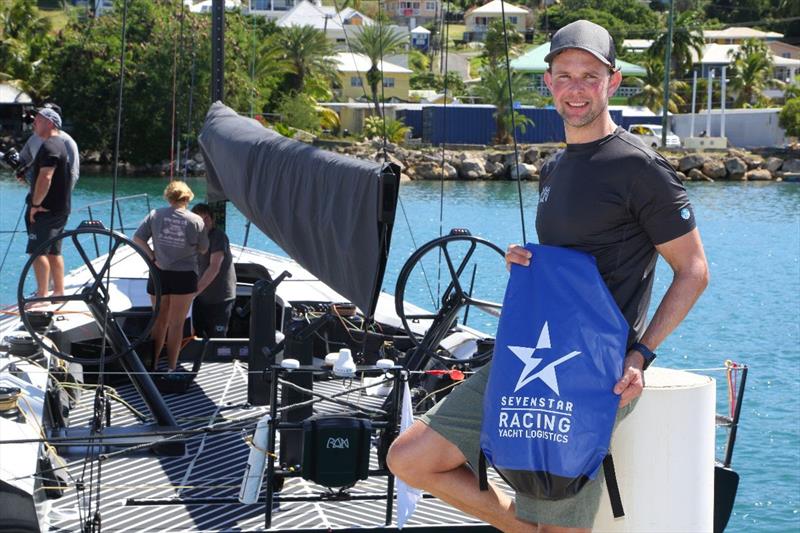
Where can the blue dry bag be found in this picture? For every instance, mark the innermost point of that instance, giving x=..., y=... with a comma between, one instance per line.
x=549, y=406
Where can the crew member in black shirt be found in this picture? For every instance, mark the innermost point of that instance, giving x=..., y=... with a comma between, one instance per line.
x=216, y=288
x=606, y=194
x=49, y=202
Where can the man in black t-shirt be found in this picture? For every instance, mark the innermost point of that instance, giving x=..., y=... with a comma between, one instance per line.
x=216, y=288
x=605, y=194
x=49, y=202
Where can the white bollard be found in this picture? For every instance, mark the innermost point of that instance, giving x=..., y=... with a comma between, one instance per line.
x=664, y=457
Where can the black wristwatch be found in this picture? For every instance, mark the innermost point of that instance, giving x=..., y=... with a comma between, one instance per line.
x=36, y=206
x=647, y=353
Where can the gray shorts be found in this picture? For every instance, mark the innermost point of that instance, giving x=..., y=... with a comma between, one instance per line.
x=458, y=419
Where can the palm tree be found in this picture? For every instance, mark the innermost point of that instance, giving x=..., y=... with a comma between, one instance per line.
x=652, y=88
x=751, y=73
x=375, y=41
x=493, y=89
x=495, y=43
x=687, y=37
x=303, y=50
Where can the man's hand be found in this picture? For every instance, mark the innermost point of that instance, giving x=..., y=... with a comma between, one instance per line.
x=36, y=210
x=631, y=384
x=518, y=255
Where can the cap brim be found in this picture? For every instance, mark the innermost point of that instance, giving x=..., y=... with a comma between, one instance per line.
x=553, y=53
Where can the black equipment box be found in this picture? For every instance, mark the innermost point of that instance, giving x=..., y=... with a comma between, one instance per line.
x=336, y=450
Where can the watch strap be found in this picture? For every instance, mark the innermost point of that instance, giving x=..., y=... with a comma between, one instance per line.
x=646, y=352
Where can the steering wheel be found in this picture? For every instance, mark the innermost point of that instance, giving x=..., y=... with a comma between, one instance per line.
x=453, y=300
x=95, y=292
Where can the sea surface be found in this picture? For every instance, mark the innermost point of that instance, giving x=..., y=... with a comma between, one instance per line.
x=750, y=313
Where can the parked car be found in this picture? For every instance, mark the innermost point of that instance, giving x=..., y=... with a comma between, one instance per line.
x=650, y=134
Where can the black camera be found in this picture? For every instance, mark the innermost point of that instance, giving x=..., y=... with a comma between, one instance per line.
x=10, y=158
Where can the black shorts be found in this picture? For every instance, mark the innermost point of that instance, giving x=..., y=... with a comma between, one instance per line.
x=174, y=282
x=210, y=320
x=45, y=226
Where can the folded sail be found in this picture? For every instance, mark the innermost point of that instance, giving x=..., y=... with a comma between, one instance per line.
x=330, y=213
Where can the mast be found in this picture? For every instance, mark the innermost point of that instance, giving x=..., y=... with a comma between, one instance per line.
x=218, y=82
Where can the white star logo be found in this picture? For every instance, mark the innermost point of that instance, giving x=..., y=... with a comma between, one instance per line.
x=546, y=374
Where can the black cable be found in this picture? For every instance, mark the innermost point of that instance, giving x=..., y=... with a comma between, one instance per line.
x=513, y=121
x=13, y=234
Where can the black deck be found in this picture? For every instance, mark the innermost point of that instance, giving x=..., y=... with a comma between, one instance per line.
x=198, y=492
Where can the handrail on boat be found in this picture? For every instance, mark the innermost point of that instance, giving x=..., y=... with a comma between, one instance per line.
x=122, y=228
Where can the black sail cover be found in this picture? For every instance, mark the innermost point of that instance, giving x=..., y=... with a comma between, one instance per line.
x=330, y=213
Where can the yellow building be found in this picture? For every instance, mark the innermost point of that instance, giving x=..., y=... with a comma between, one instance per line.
x=353, y=69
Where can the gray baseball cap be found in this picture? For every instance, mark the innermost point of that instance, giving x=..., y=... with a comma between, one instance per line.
x=587, y=36
x=51, y=115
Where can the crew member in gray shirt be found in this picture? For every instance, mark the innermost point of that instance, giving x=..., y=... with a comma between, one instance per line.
x=216, y=289
x=34, y=142
x=178, y=237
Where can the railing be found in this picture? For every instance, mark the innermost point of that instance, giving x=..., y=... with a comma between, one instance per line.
x=121, y=227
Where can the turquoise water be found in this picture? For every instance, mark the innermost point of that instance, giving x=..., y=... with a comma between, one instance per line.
x=750, y=312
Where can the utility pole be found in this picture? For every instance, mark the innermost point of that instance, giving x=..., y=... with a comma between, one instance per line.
x=667, y=61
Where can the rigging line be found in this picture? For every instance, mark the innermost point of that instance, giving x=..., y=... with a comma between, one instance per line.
x=445, y=36
x=253, y=65
x=99, y=406
x=350, y=49
x=174, y=94
x=385, y=158
x=414, y=242
x=13, y=234
x=513, y=121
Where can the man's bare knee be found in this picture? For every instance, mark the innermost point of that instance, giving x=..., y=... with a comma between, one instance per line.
x=420, y=451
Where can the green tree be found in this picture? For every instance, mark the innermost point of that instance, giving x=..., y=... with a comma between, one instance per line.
x=24, y=41
x=738, y=10
x=632, y=13
x=750, y=74
x=455, y=85
x=495, y=44
x=560, y=16
x=687, y=38
x=302, y=50
x=493, y=89
x=376, y=41
x=651, y=87
x=394, y=130
x=789, y=118
x=299, y=111
x=85, y=62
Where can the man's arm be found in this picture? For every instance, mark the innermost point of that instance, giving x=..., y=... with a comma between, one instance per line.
x=214, y=265
x=687, y=259
x=40, y=191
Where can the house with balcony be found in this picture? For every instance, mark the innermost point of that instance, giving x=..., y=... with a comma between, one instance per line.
x=533, y=65
x=477, y=20
x=353, y=68
x=413, y=13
